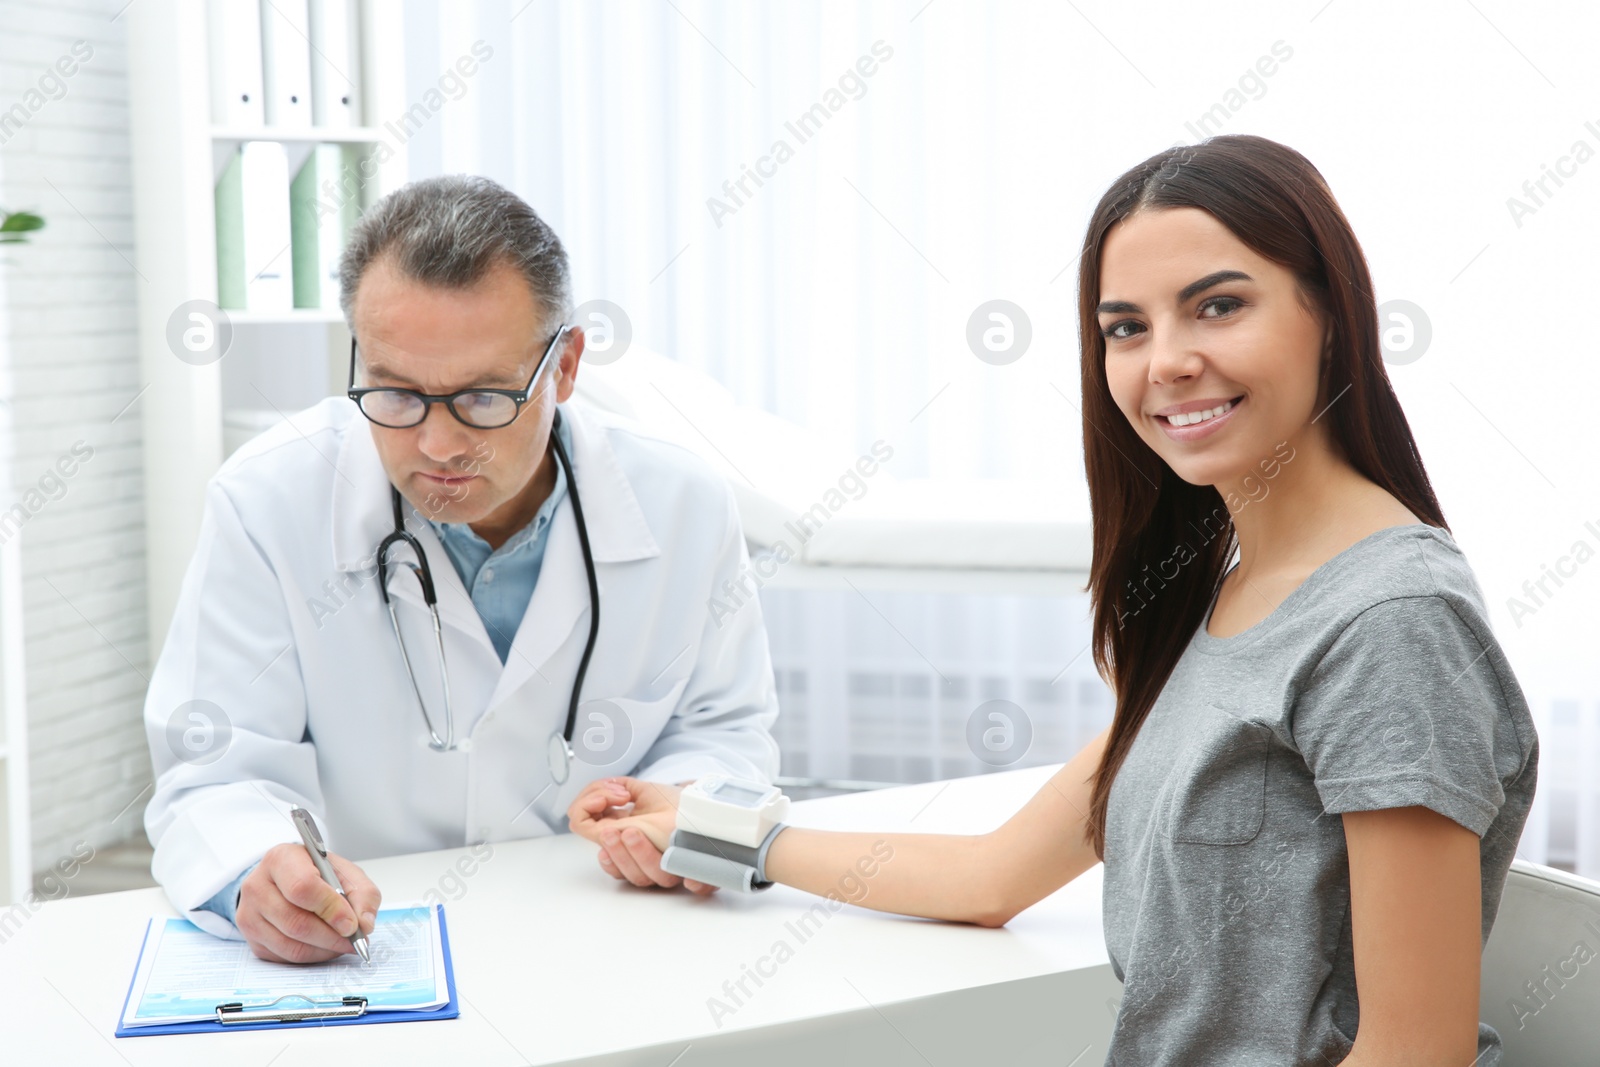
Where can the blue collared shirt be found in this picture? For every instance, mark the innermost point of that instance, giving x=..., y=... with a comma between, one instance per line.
x=501, y=582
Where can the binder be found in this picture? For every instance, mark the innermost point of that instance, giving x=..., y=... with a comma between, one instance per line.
x=230, y=234
x=323, y=206
x=335, y=63
x=286, y=62
x=346, y=1011
x=253, y=239
x=233, y=45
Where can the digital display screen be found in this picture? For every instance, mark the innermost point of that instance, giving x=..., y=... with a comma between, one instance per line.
x=737, y=794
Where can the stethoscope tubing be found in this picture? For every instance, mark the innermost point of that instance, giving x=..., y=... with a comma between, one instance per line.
x=424, y=575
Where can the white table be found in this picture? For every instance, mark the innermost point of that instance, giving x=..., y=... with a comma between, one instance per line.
x=556, y=963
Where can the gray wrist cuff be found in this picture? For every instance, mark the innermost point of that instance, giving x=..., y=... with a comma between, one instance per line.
x=761, y=854
x=719, y=863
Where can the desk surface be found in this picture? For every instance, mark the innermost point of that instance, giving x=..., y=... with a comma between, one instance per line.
x=556, y=962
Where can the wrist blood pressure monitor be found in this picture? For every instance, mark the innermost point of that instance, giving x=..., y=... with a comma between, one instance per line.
x=725, y=827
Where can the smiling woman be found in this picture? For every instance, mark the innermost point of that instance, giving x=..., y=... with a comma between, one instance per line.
x=1320, y=761
x=1344, y=666
x=1219, y=274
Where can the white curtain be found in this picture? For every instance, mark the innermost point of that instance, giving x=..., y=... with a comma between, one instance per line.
x=837, y=294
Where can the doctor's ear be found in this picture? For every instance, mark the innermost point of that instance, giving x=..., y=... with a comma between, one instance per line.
x=571, y=354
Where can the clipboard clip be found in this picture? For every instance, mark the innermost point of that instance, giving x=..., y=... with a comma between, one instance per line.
x=236, y=1012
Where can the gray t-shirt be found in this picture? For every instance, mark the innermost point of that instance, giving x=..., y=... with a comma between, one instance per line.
x=1376, y=684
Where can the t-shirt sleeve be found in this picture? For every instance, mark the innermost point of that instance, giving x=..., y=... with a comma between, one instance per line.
x=1406, y=708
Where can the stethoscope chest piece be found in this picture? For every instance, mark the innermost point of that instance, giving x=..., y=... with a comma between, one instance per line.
x=560, y=756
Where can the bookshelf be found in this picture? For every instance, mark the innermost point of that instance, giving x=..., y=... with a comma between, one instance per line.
x=192, y=415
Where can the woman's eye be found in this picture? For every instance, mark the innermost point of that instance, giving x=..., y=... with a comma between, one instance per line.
x=1117, y=330
x=1223, y=305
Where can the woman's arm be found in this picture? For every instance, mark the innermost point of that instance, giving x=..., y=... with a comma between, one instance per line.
x=1416, y=920
x=984, y=879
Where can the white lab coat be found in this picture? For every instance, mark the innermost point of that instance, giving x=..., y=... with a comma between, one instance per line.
x=281, y=627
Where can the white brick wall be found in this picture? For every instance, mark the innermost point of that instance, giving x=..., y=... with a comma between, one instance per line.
x=69, y=324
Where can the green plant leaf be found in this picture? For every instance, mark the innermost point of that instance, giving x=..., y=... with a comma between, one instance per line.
x=20, y=222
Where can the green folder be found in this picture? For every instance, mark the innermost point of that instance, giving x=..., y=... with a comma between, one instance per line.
x=324, y=203
x=250, y=208
x=230, y=235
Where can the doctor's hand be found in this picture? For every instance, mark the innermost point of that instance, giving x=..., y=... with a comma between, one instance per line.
x=632, y=822
x=288, y=914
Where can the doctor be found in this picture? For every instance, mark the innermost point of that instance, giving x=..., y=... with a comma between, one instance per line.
x=305, y=667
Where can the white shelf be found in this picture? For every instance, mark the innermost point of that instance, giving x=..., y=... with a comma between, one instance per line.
x=300, y=134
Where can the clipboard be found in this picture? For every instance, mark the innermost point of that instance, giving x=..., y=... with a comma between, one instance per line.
x=296, y=1012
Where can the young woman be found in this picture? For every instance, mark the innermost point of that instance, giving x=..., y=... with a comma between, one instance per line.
x=1320, y=762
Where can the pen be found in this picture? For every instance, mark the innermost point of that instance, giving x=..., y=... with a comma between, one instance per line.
x=319, y=856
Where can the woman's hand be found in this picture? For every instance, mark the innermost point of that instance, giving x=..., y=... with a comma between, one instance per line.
x=632, y=822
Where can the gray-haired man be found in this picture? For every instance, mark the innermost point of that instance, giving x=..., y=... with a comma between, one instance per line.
x=458, y=298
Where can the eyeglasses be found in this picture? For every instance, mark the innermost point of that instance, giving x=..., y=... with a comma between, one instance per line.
x=482, y=409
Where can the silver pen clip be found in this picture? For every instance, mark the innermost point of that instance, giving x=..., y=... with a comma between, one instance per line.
x=308, y=830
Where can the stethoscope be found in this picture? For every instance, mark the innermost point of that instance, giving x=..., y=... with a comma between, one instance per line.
x=559, y=749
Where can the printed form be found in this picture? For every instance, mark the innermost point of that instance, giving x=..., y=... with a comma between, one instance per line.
x=184, y=972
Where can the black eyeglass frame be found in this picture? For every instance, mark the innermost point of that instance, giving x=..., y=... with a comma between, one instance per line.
x=518, y=396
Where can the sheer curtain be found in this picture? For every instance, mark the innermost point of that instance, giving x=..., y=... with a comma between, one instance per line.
x=957, y=165
x=834, y=291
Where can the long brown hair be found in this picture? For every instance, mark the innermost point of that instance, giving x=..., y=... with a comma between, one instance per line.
x=1276, y=202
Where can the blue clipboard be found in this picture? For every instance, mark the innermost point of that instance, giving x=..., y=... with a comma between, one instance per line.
x=451, y=1009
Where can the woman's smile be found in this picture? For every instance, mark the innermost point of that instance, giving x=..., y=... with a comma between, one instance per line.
x=1194, y=425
